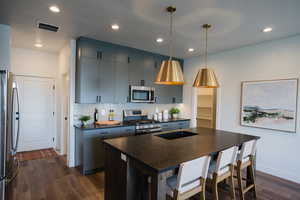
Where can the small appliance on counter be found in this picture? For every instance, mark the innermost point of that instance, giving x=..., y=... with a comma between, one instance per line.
x=165, y=115
x=142, y=124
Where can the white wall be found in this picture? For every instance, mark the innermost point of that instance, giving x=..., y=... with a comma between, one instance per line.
x=38, y=63
x=277, y=151
x=64, y=65
x=67, y=59
x=5, y=50
x=34, y=62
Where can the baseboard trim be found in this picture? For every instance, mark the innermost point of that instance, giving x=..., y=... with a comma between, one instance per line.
x=279, y=173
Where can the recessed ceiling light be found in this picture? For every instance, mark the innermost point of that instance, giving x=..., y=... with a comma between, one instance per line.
x=115, y=27
x=159, y=40
x=38, y=45
x=54, y=9
x=267, y=29
x=191, y=50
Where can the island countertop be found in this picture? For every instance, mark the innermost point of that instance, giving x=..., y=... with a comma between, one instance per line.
x=161, y=154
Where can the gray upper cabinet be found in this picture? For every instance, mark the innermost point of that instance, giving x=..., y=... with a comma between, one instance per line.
x=105, y=71
x=121, y=82
x=107, y=81
x=87, y=91
x=136, y=70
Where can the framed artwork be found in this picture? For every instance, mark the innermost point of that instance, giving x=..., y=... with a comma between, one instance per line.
x=270, y=104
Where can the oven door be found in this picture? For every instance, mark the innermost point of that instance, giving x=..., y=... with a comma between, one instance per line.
x=140, y=94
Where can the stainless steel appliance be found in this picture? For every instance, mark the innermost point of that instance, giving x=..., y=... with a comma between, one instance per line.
x=143, y=125
x=10, y=131
x=141, y=94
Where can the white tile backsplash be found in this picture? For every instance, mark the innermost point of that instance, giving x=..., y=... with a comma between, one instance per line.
x=88, y=109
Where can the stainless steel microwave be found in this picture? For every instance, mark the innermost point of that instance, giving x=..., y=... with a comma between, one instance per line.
x=142, y=94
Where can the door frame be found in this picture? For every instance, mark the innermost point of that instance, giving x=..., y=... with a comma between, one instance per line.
x=64, y=137
x=54, y=134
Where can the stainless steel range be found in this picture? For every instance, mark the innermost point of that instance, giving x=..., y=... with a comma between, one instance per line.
x=143, y=125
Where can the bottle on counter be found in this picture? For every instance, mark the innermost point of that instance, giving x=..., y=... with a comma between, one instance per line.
x=111, y=115
x=96, y=115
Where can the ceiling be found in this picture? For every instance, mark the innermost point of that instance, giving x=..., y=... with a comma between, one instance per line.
x=235, y=23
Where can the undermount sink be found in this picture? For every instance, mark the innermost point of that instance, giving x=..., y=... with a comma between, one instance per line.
x=176, y=135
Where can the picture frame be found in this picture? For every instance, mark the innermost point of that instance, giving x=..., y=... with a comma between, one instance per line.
x=270, y=104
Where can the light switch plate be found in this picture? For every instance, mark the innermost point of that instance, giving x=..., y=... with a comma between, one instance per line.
x=123, y=157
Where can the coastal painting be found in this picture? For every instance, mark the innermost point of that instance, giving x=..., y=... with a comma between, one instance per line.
x=270, y=104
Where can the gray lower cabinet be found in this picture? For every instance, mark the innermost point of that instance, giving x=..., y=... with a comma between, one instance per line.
x=89, y=151
x=175, y=125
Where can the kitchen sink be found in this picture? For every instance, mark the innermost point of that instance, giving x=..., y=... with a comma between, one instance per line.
x=176, y=135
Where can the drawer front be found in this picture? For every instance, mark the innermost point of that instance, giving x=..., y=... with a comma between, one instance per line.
x=175, y=125
x=111, y=132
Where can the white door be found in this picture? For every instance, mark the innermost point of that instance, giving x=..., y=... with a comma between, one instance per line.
x=37, y=101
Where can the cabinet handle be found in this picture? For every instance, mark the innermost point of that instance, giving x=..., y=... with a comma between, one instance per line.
x=100, y=55
x=99, y=99
x=128, y=59
x=142, y=82
x=173, y=99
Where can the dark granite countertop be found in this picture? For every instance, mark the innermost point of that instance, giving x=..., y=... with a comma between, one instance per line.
x=122, y=124
x=173, y=120
x=94, y=126
x=162, y=154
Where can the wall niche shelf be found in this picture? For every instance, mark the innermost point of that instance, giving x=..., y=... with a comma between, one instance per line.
x=206, y=109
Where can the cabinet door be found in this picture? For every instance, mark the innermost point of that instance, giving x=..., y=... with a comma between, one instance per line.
x=93, y=156
x=107, y=81
x=161, y=91
x=87, y=49
x=136, y=69
x=121, y=82
x=150, y=70
x=89, y=79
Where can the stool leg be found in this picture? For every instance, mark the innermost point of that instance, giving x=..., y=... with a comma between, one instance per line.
x=202, y=194
x=240, y=183
x=252, y=177
x=215, y=186
x=232, y=184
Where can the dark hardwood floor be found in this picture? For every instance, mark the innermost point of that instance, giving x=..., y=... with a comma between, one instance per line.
x=37, y=154
x=50, y=179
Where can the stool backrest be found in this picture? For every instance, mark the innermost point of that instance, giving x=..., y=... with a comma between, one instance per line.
x=226, y=158
x=190, y=173
x=248, y=149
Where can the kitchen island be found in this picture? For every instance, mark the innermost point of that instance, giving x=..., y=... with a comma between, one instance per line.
x=137, y=167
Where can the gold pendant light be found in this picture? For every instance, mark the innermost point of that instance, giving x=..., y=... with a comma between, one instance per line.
x=206, y=77
x=170, y=72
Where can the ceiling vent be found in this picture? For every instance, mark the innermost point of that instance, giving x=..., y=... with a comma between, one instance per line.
x=48, y=27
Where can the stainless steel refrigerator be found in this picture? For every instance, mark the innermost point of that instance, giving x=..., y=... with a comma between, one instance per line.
x=10, y=132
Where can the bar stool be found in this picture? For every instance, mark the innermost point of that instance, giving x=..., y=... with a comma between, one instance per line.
x=222, y=169
x=190, y=180
x=245, y=159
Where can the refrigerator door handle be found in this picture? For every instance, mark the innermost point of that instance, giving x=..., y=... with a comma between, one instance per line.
x=15, y=94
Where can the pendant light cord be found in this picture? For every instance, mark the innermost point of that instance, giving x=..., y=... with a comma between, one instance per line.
x=171, y=36
x=205, y=58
